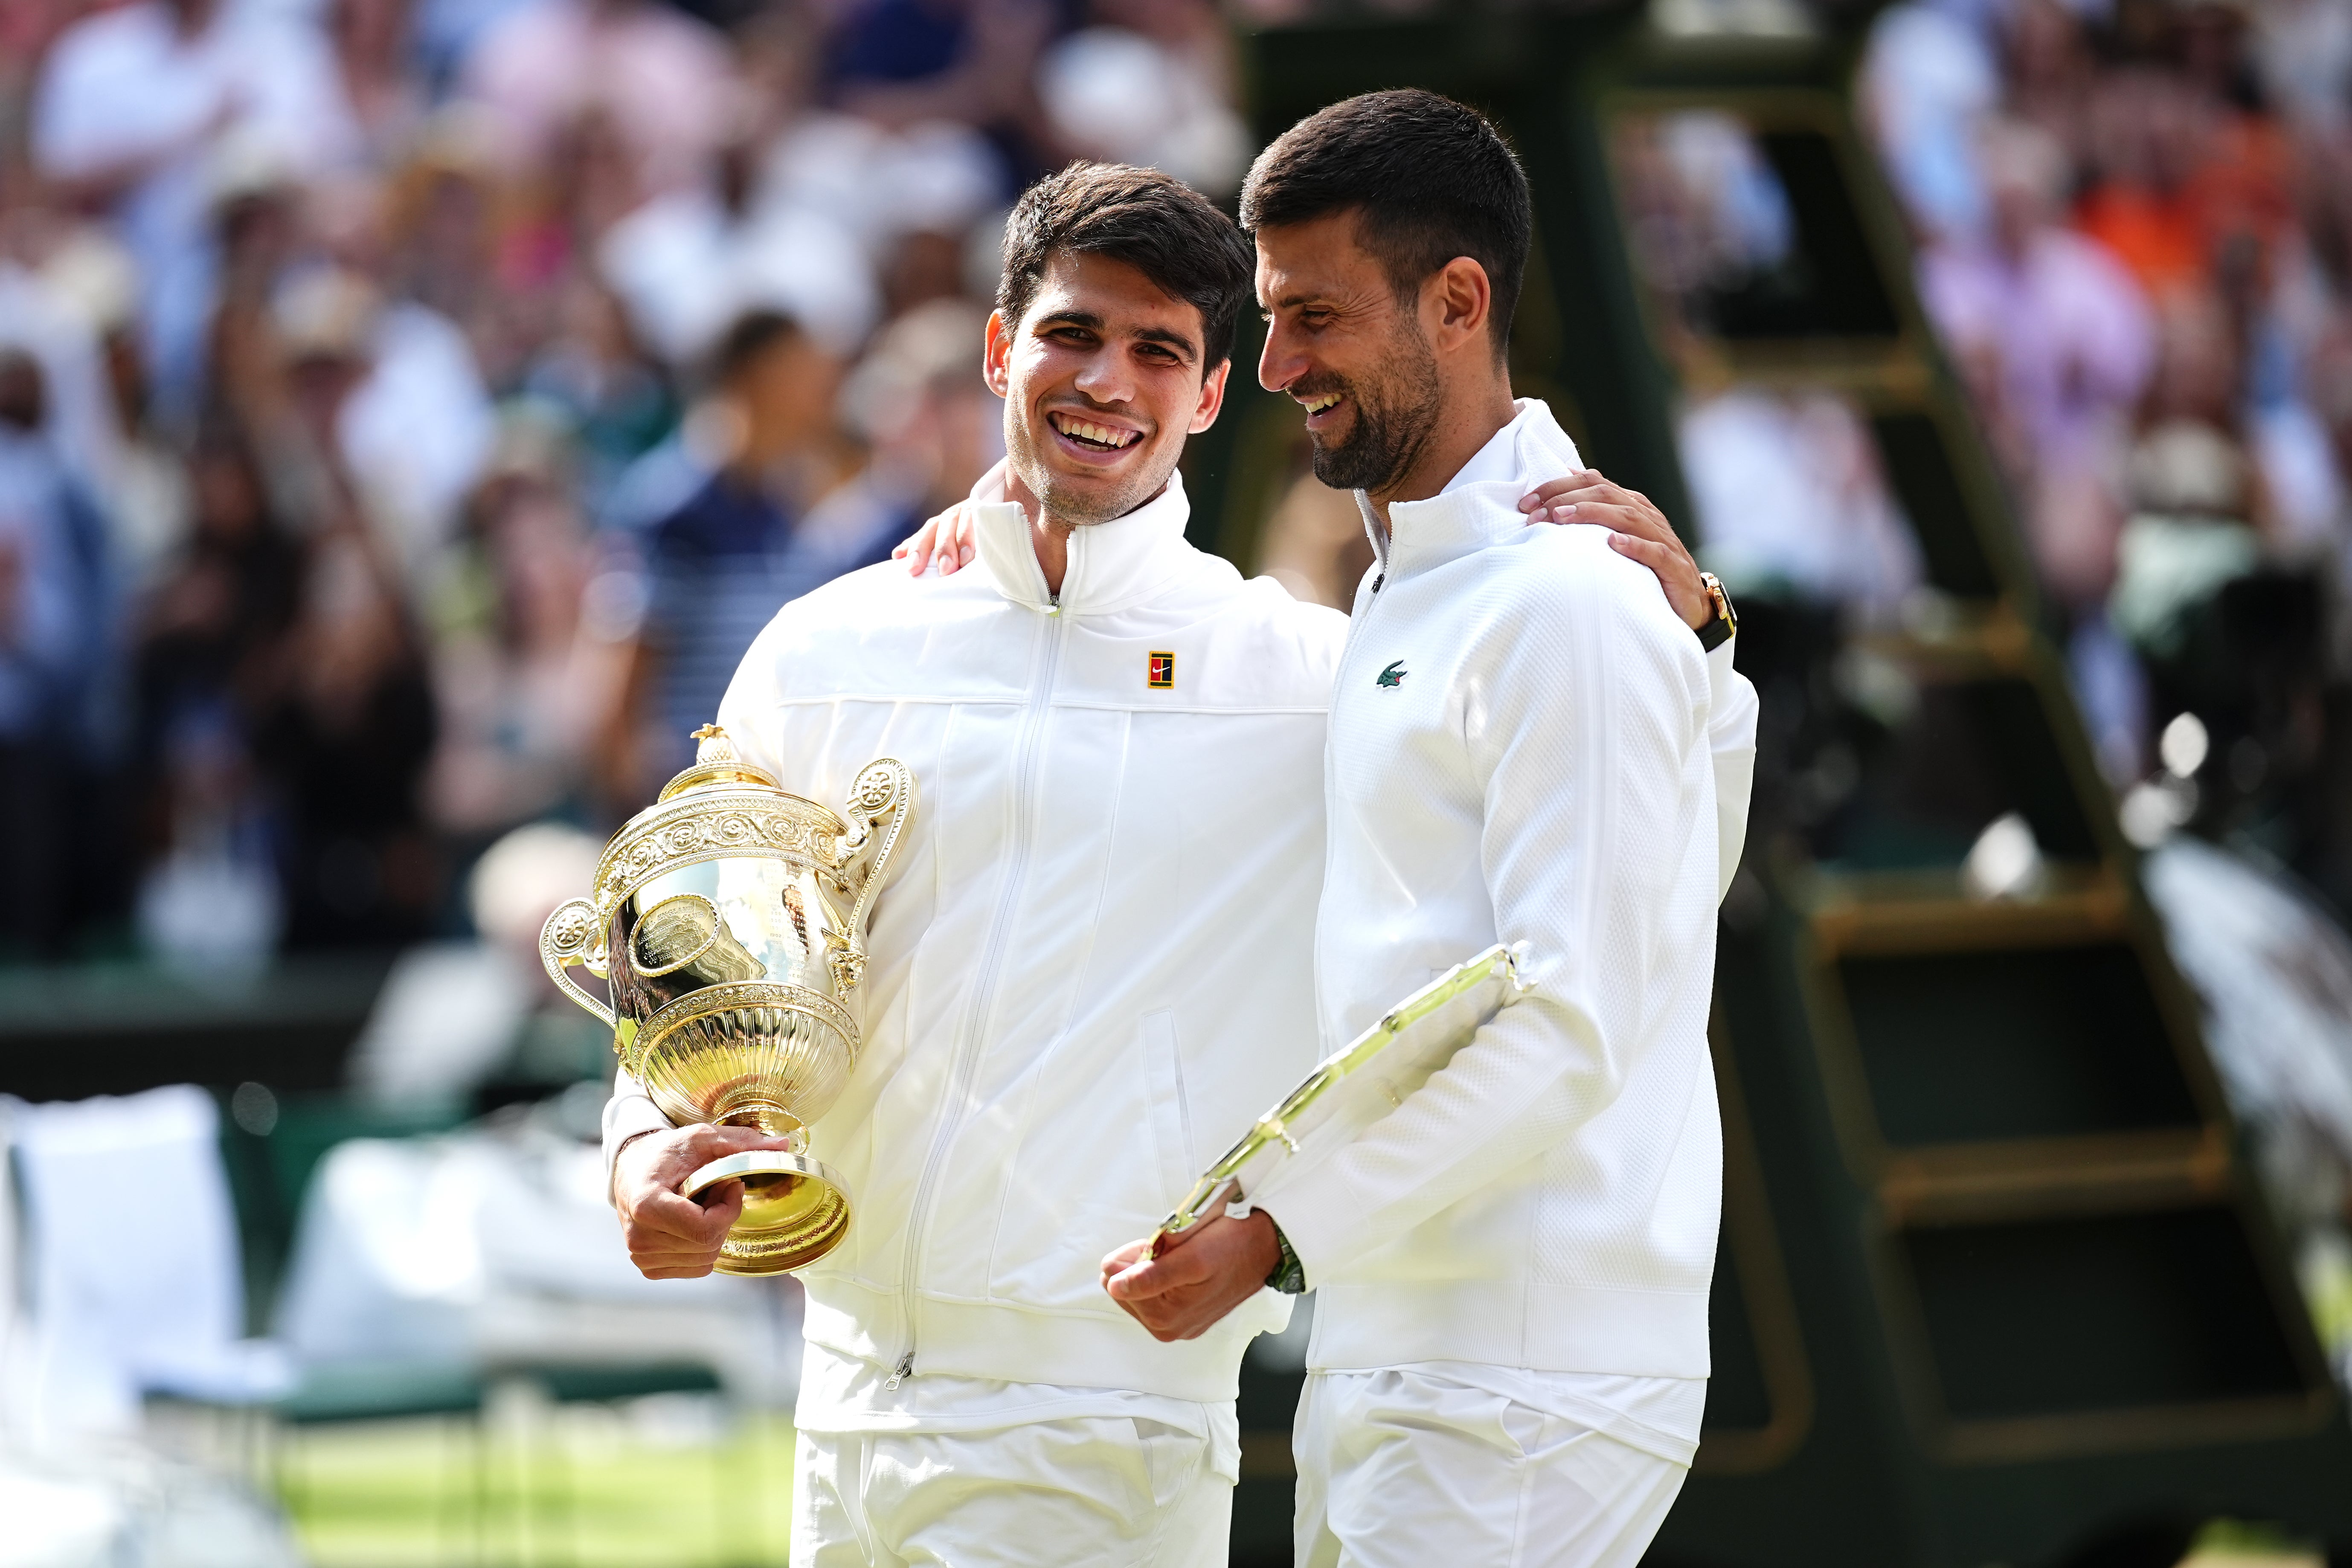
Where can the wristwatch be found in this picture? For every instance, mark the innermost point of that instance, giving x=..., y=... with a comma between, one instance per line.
x=1719, y=629
x=1289, y=1276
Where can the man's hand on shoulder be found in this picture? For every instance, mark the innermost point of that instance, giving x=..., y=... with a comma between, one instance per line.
x=944, y=541
x=1203, y=1274
x=670, y=1237
x=1636, y=529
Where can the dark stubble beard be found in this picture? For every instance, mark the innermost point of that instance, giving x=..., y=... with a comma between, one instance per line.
x=1065, y=503
x=1395, y=413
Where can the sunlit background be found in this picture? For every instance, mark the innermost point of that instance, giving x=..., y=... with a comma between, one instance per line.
x=410, y=408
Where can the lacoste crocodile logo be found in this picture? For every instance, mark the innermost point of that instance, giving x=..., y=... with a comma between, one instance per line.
x=1393, y=674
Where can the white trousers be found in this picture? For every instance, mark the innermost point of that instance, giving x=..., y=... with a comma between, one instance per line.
x=1085, y=1493
x=1399, y=1468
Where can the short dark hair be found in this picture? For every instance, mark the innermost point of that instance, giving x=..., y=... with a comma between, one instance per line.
x=1160, y=227
x=1430, y=179
x=747, y=337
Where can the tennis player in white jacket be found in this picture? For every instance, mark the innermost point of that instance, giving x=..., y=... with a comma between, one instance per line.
x=1094, y=966
x=1510, y=1350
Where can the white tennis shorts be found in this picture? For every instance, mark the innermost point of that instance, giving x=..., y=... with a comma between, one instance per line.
x=1087, y=1492
x=1398, y=1469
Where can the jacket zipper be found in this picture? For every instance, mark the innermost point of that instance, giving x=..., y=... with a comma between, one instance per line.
x=1356, y=626
x=967, y=1057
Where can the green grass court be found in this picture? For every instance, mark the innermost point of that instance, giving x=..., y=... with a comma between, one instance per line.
x=662, y=1485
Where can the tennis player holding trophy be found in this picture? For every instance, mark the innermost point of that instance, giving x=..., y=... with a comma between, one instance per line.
x=1089, y=966
x=1512, y=1242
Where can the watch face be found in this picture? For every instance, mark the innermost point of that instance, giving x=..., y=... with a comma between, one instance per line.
x=1719, y=629
x=1722, y=597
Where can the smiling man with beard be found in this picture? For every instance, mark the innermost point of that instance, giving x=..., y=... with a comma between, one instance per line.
x=1510, y=1351
x=1092, y=966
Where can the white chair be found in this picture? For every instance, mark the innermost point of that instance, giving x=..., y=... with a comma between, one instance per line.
x=133, y=1265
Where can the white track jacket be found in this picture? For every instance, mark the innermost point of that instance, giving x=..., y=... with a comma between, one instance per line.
x=1092, y=965
x=1525, y=746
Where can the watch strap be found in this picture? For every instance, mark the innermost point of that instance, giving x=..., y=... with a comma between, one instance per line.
x=1290, y=1274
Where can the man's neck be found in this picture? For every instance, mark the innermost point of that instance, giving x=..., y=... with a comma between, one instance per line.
x=1464, y=424
x=1049, y=535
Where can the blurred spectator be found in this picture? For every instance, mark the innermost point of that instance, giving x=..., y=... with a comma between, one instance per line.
x=133, y=103
x=2144, y=134
x=1150, y=84
x=930, y=425
x=690, y=261
x=1790, y=501
x=343, y=724
x=144, y=481
x=385, y=101
x=56, y=636
x=42, y=318
x=616, y=399
x=903, y=62
x=212, y=626
x=1928, y=78
x=395, y=394
x=442, y=227
x=2052, y=74
x=2056, y=344
x=527, y=682
x=723, y=565
x=663, y=80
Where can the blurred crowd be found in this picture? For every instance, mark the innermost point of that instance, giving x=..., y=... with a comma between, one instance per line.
x=2134, y=221
x=409, y=409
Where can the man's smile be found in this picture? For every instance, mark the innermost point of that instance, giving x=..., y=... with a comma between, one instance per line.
x=1091, y=437
x=1318, y=407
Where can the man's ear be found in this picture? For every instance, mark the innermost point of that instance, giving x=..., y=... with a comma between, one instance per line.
x=996, y=355
x=1212, y=398
x=1456, y=302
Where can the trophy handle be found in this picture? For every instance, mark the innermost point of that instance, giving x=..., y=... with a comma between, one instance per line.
x=881, y=804
x=570, y=937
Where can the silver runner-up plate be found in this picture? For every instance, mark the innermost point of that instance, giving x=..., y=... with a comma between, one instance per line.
x=1363, y=1081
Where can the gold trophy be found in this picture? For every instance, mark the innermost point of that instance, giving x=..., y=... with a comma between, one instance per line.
x=729, y=921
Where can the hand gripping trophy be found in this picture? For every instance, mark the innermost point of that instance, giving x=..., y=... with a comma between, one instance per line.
x=729, y=921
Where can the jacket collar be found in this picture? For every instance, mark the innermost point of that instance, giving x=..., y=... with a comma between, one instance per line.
x=1479, y=506
x=1112, y=564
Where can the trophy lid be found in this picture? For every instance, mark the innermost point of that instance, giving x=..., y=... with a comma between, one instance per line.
x=716, y=763
x=720, y=809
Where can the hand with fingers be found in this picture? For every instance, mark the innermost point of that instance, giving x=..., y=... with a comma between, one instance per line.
x=1198, y=1276
x=1636, y=529
x=944, y=541
x=670, y=1237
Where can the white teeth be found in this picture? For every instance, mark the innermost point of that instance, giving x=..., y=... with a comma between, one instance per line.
x=1101, y=435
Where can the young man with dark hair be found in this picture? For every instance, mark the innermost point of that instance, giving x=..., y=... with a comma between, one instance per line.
x=1510, y=1351
x=1090, y=963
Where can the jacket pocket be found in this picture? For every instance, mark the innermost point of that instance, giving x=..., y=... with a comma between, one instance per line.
x=1172, y=1117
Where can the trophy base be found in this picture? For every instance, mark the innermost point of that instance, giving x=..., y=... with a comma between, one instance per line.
x=794, y=1210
